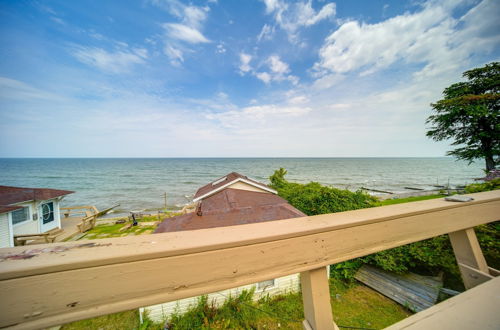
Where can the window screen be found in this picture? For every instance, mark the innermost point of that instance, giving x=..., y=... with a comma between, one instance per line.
x=20, y=215
x=265, y=284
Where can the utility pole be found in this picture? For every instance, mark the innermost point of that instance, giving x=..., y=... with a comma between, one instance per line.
x=165, y=195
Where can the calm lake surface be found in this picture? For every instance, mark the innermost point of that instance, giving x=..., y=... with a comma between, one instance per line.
x=139, y=183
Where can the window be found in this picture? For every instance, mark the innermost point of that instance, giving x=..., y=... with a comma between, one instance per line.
x=20, y=215
x=47, y=212
x=265, y=284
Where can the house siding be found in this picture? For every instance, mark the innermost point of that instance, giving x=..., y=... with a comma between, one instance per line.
x=245, y=186
x=5, y=239
x=160, y=312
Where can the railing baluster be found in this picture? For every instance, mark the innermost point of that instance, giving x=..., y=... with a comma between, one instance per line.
x=470, y=259
x=316, y=298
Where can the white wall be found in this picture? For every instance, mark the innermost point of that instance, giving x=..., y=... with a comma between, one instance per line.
x=160, y=312
x=30, y=226
x=5, y=237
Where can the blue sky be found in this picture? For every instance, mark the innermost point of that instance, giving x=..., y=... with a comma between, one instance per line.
x=227, y=78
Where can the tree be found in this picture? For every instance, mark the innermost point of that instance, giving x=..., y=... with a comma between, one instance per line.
x=469, y=114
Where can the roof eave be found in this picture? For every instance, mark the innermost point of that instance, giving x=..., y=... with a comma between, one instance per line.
x=210, y=193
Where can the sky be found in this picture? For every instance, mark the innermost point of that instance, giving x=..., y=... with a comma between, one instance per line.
x=231, y=78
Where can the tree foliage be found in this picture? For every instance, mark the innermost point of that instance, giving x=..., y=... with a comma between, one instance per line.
x=470, y=114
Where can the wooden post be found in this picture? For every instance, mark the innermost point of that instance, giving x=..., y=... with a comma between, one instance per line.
x=470, y=259
x=316, y=298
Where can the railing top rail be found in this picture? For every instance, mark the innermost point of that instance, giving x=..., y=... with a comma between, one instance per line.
x=48, y=258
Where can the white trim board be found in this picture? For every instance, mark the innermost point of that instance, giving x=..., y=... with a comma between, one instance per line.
x=261, y=186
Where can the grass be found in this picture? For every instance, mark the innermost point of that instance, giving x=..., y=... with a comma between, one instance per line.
x=107, y=230
x=113, y=230
x=353, y=305
x=408, y=199
x=123, y=320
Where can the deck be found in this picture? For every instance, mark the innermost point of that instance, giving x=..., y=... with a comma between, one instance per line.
x=70, y=228
x=476, y=308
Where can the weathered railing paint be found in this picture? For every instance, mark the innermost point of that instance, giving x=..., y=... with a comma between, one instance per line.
x=53, y=284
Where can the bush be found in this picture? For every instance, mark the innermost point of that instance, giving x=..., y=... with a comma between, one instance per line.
x=486, y=186
x=313, y=198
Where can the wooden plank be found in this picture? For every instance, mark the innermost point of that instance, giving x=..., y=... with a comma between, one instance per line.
x=411, y=290
x=38, y=285
x=476, y=308
x=468, y=253
x=316, y=299
x=493, y=272
x=473, y=277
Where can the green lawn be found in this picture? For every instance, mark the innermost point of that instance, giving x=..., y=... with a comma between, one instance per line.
x=408, y=199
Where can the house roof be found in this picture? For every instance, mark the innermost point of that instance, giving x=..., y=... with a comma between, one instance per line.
x=5, y=209
x=225, y=181
x=12, y=195
x=230, y=207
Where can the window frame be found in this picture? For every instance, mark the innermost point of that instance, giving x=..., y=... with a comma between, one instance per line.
x=266, y=287
x=22, y=222
x=52, y=212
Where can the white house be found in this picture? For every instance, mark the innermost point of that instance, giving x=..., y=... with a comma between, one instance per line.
x=231, y=200
x=26, y=211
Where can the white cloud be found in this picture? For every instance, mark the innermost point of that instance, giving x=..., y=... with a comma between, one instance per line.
x=58, y=20
x=430, y=36
x=253, y=114
x=301, y=99
x=266, y=33
x=278, y=71
x=195, y=16
x=187, y=31
x=292, y=16
x=184, y=33
x=245, y=63
x=220, y=49
x=115, y=62
x=18, y=90
x=277, y=65
x=175, y=55
x=264, y=76
x=142, y=52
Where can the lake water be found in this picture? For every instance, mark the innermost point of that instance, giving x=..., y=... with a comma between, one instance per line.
x=140, y=183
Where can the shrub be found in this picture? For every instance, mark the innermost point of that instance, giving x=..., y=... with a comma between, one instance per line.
x=314, y=198
x=486, y=186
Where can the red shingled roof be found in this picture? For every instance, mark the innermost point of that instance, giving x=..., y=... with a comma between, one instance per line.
x=230, y=207
x=5, y=209
x=12, y=195
x=227, y=179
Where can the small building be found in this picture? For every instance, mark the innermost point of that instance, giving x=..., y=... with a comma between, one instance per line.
x=28, y=211
x=229, y=201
